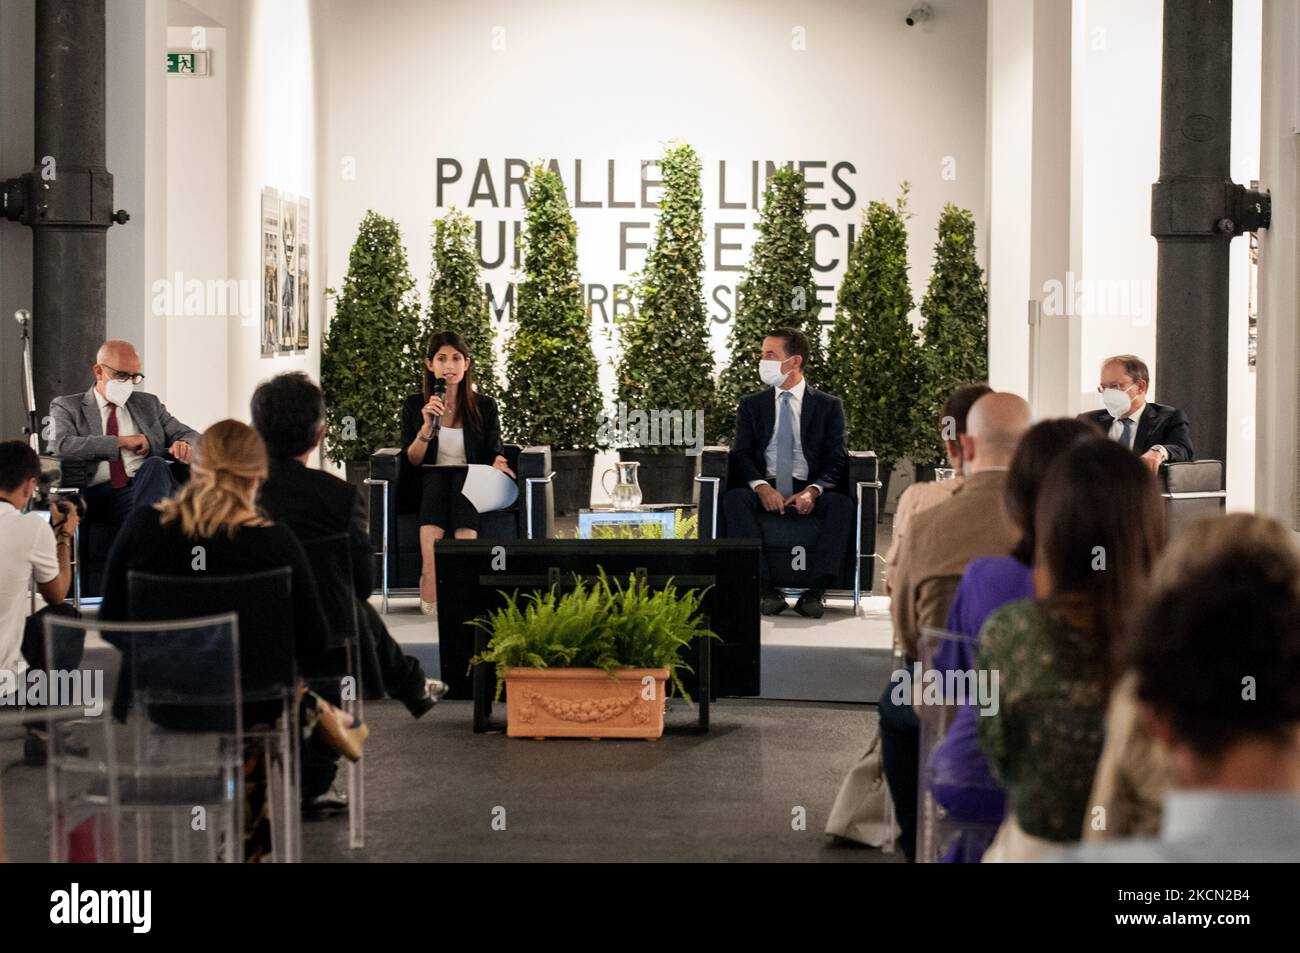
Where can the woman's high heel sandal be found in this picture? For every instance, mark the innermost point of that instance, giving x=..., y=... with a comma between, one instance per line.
x=343, y=732
x=429, y=608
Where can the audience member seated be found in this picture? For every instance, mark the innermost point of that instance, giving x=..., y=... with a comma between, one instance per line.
x=1098, y=527
x=939, y=544
x=458, y=426
x=1155, y=432
x=216, y=509
x=922, y=496
x=31, y=549
x=789, y=448
x=111, y=439
x=1216, y=656
x=969, y=792
x=289, y=414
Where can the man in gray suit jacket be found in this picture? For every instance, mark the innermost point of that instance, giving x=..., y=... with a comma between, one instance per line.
x=112, y=438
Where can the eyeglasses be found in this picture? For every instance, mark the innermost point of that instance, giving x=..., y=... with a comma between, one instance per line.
x=1102, y=388
x=123, y=375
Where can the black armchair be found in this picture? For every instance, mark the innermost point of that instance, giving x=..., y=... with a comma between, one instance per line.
x=716, y=473
x=395, y=503
x=1192, y=489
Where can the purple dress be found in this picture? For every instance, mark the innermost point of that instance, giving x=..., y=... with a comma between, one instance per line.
x=960, y=777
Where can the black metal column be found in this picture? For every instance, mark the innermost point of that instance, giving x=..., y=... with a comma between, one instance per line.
x=1196, y=210
x=67, y=198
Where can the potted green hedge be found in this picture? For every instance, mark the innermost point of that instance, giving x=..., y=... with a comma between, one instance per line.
x=777, y=290
x=371, y=349
x=956, y=312
x=457, y=300
x=552, y=394
x=666, y=362
x=597, y=661
x=875, y=360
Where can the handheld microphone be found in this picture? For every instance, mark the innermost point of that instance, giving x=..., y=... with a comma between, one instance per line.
x=439, y=389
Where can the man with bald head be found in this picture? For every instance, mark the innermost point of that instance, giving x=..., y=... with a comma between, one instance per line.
x=112, y=439
x=932, y=557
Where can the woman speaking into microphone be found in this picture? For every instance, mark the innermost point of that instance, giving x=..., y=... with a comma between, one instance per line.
x=448, y=423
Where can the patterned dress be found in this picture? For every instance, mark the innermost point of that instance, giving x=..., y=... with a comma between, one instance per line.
x=1044, y=741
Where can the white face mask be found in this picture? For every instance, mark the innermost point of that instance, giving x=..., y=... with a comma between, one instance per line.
x=117, y=392
x=1117, y=401
x=770, y=373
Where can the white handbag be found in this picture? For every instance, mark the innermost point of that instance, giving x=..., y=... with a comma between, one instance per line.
x=863, y=811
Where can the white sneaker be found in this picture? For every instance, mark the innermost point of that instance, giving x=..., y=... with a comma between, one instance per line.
x=429, y=608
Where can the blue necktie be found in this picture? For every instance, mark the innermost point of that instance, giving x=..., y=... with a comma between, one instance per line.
x=785, y=448
x=1126, y=438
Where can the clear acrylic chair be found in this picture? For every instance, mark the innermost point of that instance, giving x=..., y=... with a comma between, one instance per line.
x=165, y=784
x=268, y=675
x=331, y=562
x=941, y=833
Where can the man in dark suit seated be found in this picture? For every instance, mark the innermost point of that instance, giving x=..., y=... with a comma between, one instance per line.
x=111, y=439
x=1156, y=432
x=289, y=412
x=789, y=449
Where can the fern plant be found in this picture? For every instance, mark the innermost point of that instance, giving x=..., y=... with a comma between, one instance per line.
x=606, y=626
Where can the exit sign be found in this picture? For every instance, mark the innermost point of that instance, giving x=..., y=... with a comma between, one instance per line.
x=187, y=62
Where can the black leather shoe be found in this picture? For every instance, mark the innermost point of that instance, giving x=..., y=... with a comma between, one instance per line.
x=812, y=603
x=433, y=690
x=773, y=603
x=331, y=802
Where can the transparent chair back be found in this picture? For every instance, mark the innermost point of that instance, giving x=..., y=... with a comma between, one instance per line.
x=165, y=783
x=942, y=834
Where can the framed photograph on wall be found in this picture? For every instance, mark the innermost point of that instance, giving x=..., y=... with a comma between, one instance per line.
x=303, y=254
x=270, y=245
x=288, y=273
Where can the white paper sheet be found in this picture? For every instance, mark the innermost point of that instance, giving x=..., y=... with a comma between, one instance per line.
x=488, y=488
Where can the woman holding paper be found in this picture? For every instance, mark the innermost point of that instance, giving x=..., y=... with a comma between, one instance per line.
x=447, y=424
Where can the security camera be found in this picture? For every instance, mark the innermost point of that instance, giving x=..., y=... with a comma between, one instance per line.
x=919, y=14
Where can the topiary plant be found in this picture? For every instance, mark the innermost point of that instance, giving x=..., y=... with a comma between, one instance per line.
x=666, y=360
x=366, y=363
x=552, y=393
x=778, y=290
x=457, y=301
x=956, y=311
x=874, y=355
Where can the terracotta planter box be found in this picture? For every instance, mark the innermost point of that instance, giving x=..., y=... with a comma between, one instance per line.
x=584, y=703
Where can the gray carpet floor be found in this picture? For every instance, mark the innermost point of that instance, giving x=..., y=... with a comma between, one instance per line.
x=434, y=789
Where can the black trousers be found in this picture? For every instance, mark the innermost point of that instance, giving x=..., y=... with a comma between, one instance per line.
x=443, y=504
x=400, y=675
x=67, y=647
x=741, y=508
x=900, y=756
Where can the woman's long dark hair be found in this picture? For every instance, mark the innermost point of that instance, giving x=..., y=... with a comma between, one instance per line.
x=1100, y=524
x=1035, y=453
x=468, y=400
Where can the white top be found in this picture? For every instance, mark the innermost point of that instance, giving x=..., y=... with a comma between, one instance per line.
x=125, y=428
x=800, y=469
x=451, y=446
x=26, y=549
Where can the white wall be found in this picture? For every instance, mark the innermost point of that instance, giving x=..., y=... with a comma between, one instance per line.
x=599, y=81
x=197, y=227
x=1279, y=344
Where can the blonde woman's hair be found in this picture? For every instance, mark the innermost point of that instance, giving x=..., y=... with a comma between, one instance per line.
x=217, y=496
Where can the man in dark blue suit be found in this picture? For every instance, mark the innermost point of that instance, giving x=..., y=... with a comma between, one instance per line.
x=1155, y=432
x=789, y=451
